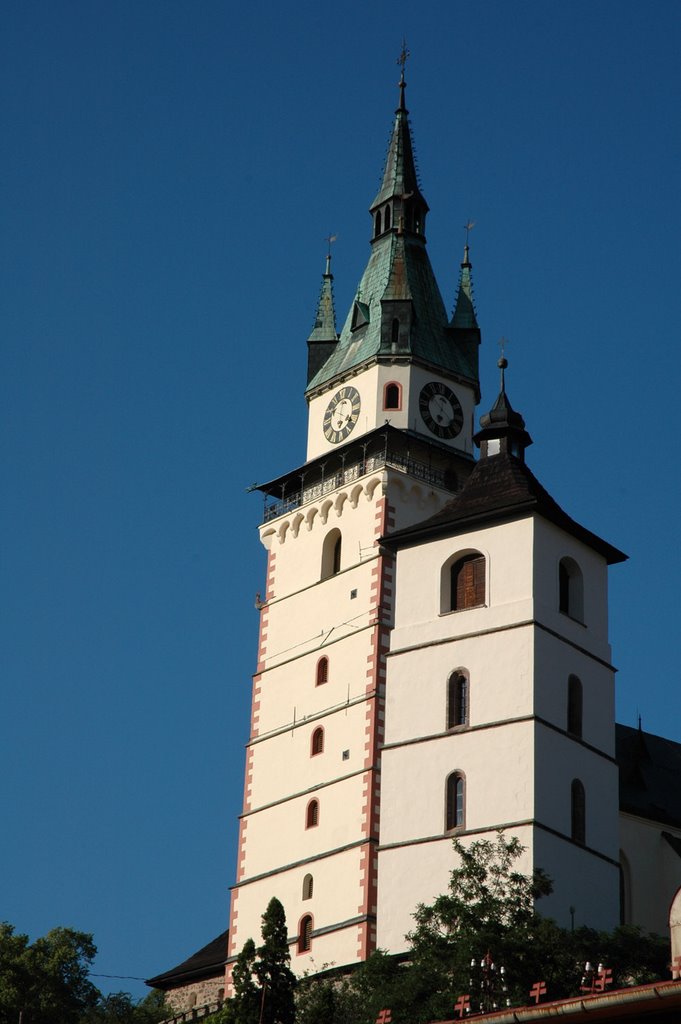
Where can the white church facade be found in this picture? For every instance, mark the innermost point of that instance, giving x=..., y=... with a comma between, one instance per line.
x=433, y=656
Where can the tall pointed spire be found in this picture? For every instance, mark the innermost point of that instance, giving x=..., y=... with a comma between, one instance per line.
x=399, y=203
x=397, y=308
x=323, y=337
x=464, y=309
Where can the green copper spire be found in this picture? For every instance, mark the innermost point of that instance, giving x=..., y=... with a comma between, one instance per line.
x=398, y=309
x=464, y=310
x=399, y=202
x=323, y=337
x=325, y=321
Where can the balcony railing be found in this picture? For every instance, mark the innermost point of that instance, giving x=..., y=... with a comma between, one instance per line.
x=346, y=475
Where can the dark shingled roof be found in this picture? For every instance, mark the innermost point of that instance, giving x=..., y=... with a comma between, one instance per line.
x=650, y=777
x=500, y=487
x=206, y=962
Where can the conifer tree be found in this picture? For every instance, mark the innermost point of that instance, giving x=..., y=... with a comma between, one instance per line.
x=245, y=1004
x=272, y=969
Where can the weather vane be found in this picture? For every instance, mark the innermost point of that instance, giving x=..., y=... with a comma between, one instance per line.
x=329, y=239
x=404, y=55
x=468, y=227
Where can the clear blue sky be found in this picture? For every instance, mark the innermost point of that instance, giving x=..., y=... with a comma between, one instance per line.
x=170, y=171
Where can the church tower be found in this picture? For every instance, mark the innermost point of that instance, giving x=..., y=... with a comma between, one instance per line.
x=390, y=440
x=433, y=656
x=500, y=692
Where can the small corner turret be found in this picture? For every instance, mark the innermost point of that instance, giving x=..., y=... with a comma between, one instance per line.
x=502, y=429
x=463, y=328
x=324, y=337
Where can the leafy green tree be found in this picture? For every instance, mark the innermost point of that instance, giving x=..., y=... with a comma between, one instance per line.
x=48, y=981
x=488, y=908
x=272, y=968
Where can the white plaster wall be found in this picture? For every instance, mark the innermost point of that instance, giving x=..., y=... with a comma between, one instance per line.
x=336, y=887
x=655, y=871
x=500, y=671
x=415, y=874
x=282, y=764
x=289, y=691
x=508, y=551
x=370, y=384
x=552, y=544
x=276, y=836
x=352, y=510
x=587, y=883
x=498, y=765
x=554, y=663
x=559, y=760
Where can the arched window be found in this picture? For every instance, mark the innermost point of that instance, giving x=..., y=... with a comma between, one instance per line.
x=317, y=743
x=457, y=700
x=570, y=589
x=322, y=671
x=395, y=331
x=455, y=800
x=386, y=218
x=378, y=224
x=312, y=814
x=308, y=886
x=392, y=396
x=331, y=554
x=305, y=934
x=574, y=707
x=466, y=584
x=578, y=812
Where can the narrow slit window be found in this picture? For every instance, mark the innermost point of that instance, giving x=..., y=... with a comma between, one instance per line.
x=578, y=812
x=305, y=934
x=317, y=744
x=312, y=814
x=457, y=700
x=455, y=812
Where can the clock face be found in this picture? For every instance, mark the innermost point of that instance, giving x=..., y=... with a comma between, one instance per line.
x=341, y=415
x=440, y=410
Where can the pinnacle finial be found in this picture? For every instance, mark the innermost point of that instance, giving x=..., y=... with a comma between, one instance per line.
x=502, y=363
x=329, y=239
x=468, y=227
x=402, y=60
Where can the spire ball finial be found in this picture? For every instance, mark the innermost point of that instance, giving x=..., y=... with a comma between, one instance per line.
x=502, y=362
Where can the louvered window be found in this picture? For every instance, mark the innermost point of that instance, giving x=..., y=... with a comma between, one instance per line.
x=305, y=935
x=468, y=582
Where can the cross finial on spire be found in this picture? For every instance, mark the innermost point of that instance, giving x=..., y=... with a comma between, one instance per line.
x=468, y=227
x=402, y=60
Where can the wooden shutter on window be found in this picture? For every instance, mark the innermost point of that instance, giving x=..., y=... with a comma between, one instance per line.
x=470, y=582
